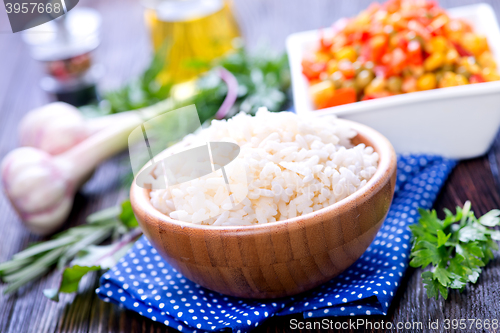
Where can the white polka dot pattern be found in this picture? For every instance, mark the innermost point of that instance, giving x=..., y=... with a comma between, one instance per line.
x=145, y=283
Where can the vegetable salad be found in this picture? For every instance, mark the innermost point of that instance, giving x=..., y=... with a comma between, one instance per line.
x=398, y=47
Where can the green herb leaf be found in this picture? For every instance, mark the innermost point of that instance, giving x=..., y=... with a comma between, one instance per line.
x=491, y=219
x=442, y=238
x=73, y=275
x=442, y=275
x=70, y=279
x=430, y=284
x=103, y=215
x=470, y=233
x=127, y=215
x=456, y=248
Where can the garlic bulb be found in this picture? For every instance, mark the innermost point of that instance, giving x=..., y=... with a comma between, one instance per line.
x=41, y=187
x=53, y=128
x=57, y=127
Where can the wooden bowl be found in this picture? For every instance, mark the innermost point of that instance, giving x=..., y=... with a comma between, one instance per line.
x=280, y=258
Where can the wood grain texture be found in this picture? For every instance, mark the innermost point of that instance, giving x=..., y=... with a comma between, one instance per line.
x=246, y=262
x=124, y=53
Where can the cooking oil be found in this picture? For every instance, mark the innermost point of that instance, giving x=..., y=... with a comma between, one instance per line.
x=193, y=32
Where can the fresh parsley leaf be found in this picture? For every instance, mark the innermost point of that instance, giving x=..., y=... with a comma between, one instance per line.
x=73, y=275
x=491, y=219
x=434, y=287
x=470, y=233
x=70, y=279
x=127, y=215
x=442, y=238
x=442, y=275
x=456, y=248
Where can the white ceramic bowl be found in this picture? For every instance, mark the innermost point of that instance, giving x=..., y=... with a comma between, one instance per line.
x=456, y=122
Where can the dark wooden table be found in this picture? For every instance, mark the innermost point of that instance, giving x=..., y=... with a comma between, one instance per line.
x=124, y=52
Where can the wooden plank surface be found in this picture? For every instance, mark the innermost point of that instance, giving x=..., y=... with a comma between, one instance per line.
x=124, y=52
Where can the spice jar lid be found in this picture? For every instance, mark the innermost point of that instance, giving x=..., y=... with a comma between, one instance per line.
x=70, y=35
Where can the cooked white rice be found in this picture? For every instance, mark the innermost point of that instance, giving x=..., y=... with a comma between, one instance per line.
x=294, y=165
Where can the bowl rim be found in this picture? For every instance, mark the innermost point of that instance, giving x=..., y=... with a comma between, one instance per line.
x=386, y=167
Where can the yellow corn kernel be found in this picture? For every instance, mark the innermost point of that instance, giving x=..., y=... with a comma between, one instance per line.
x=451, y=57
x=416, y=71
x=474, y=43
x=439, y=21
x=448, y=80
x=332, y=66
x=362, y=20
x=426, y=82
x=486, y=60
x=475, y=69
x=321, y=57
x=490, y=74
x=321, y=92
x=470, y=64
x=454, y=30
x=461, y=80
x=376, y=85
x=347, y=52
x=437, y=44
x=435, y=60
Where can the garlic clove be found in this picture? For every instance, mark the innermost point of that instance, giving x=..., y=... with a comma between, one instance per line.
x=54, y=128
x=47, y=222
x=60, y=135
x=36, y=185
x=23, y=181
x=44, y=197
x=22, y=158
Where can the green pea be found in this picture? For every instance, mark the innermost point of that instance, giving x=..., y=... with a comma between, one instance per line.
x=364, y=78
x=358, y=67
x=447, y=68
x=337, y=79
x=394, y=84
x=439, y=75
x=350, y=84
x=463, y=71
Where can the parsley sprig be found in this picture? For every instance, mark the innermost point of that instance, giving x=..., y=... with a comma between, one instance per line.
x=456, y=248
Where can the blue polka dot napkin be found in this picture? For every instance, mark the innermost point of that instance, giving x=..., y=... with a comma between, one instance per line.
x=143, y=282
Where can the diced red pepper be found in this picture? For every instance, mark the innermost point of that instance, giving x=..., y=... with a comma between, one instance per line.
x=438, y=23
x=346, y=68
x=419, y=29
x=424, y=21
x=431, y=4
x=398, y=61
x=376, y=48
x=342, y=96
x=461, y=51
x=376, y=95
x=399, y=40
x=312, y=70
x=414, y=53
x=476, y=78
x=325, y=44
x=359, y=37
